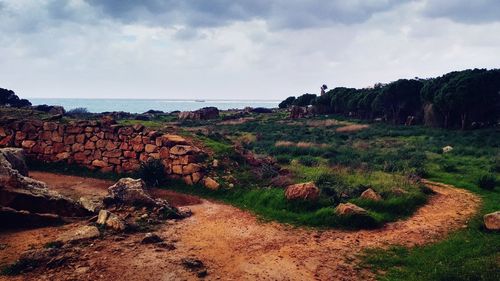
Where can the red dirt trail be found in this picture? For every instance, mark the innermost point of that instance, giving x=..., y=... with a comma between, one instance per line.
x=234, y=244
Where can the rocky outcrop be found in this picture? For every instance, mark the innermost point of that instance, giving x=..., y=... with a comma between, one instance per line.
x=302, y=191
x=102, y=145
x=132, y=192
x=23, y=193
x=205, y=113
x=370, y=194
x=492, y=221
x=349, y=209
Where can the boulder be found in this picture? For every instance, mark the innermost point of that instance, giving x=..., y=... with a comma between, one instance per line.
x=17, y=159
x=210, y=183
x=78, y=234
x=23, y=193
x=132, y=192
x=129, y=191
x=349, y=209
x=370, y=194
x=200, y=114
x=492, y=221
x=302, y=191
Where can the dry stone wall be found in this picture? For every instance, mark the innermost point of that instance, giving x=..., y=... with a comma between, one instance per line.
x=109, y=148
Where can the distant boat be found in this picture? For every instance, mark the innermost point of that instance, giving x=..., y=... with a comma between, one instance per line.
x=199, y=100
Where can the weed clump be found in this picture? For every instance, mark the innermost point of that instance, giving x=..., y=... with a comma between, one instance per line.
x=487, y=181
x=152, y=172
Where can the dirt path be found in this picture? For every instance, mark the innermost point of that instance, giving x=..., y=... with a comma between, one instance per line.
x=235, y=245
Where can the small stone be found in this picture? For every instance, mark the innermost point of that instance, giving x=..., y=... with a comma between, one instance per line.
x=78, y=234
x=370, y=194
x=151, y=238
x=492, y=221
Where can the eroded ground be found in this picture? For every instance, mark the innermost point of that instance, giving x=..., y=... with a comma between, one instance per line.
x=233, y=244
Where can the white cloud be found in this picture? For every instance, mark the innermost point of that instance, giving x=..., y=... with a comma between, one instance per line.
x=72, y=49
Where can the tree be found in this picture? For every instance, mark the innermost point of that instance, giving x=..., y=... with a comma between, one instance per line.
x=399, y=99
x=287, y=102
x=304, y=100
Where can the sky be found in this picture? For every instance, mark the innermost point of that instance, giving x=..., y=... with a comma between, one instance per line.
x=235, y=49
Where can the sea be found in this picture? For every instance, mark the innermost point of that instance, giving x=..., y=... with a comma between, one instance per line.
x=143, y=105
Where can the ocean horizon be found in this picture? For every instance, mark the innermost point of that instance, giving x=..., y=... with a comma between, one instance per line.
x=143, y=105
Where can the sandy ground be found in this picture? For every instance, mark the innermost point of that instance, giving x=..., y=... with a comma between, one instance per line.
x=233, y=244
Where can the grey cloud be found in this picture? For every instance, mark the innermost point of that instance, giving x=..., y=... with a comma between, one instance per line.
x=282, y=14
x=465, y=11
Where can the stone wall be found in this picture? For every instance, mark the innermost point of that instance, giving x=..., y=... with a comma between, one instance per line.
x=109, y=148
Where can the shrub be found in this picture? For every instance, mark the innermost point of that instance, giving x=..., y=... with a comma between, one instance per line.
x=152, y=172
x=487, y=181
x=268, y=171
x=308, y=161
x=283, y=159
x=286, y=103
x=78, y=111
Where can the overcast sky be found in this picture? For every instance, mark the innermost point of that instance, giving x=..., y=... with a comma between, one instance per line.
x=235, y=49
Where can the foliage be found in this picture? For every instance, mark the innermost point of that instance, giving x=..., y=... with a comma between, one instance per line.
x=304, y=100
x=152, y=172
x=487, y=181
x=462, y=99
x=9, y=98
x=79, y=111
x=287, y=102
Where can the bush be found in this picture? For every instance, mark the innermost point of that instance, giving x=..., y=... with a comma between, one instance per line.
x=487, y=181
x=286, y=103
x=283, y=159
x=78, y=111
x=308, y=161
x=152, y=172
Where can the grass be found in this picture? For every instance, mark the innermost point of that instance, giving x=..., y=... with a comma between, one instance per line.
x=380, y=156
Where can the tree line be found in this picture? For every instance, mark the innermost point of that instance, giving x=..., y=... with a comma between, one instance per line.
x=9, y=98
x=459, y=99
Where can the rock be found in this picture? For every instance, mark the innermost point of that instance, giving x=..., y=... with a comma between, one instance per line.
x=349, y=209
x=57, y=110
x=171, y=140
x=23, y=193
x=302, y=191
x=115, y=223
x=200, y=114
x=151, y=238
x=492, y=221
x=129, y=191
x=370, y=194
x=192, y=263
x=78, y=234
x=11, y=218
x=210, y=183
x=17, y=159
x=447, y=149
x=102, y=217
x=183, y=150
